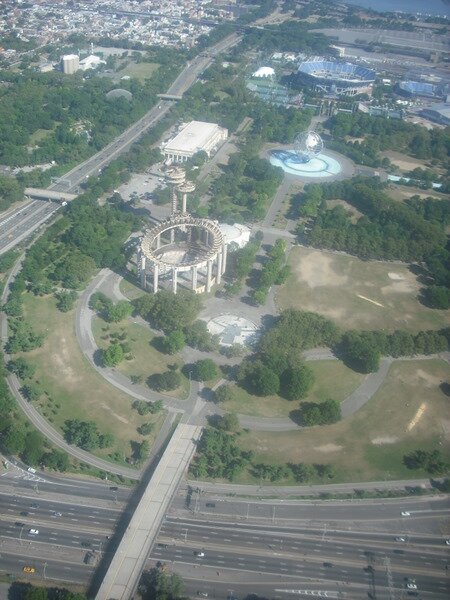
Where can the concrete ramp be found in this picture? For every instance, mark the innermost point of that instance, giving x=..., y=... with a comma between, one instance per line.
x=126, y=567
x=43, y=194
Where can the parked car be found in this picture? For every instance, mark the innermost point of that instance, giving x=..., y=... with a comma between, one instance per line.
x=29, y=570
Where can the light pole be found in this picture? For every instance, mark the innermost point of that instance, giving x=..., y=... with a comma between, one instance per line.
x=45, y=566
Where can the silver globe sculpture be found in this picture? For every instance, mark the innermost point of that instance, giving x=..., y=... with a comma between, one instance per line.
x=307, y=145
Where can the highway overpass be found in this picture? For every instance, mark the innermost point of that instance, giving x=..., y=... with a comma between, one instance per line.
x=44, y=194
x=125, y=569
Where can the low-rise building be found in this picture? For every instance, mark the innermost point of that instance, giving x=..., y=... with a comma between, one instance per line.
x=194, y=137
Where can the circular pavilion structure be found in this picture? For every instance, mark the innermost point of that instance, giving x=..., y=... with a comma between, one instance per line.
x=182, y=251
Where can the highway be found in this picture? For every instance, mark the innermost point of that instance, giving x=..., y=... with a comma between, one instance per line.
x=16, y=227
x=331, y=559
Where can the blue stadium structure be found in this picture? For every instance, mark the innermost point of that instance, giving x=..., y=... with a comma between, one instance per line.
x=421, y=88
x=337, y=78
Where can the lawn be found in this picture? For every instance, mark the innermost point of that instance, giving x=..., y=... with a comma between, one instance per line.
x=357, y=294
x=333, y=380
x=74, y=389
x=370, y=445
x=147, y=359
x=141, y=71
x=38, y=136
x=129, y=289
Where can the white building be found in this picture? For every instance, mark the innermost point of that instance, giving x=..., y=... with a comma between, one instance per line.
x=70, y=63
x=235, y=236
x=266, y=72
x=194, y=137
x=91, y=62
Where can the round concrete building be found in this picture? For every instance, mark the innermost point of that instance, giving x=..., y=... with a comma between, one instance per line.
x=182, y=251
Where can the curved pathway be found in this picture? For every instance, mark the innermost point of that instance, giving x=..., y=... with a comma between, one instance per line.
x=195, y=408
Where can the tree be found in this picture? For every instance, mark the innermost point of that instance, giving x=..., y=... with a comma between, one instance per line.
x=145, y=428
x=437, y=297
x=36, y=593
x=259, y=378
x=65, y=300
x=164, y=382
x=83, y=434
x=115, y=313
x=430, y=461
x=113, y=355
x=223, y=393
x=323, y=413
x=174, y=342
x=167, y=310
x=56, y=460
x=13, y=440
x=142, y=451
x=205, y=370
x=22, y=368
x=158, y=585
x=296, y=383
x=198, y=336
x=34, y=448
x=302, y=472
x=229, y=422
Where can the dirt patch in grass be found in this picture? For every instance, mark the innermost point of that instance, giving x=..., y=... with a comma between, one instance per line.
x=372, y=442
x=74, y=390
x=338, y=286
x=145, y=358
x=404, y=162
x=332, y=380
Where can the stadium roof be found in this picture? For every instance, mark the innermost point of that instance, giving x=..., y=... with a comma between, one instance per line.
x=322, y=69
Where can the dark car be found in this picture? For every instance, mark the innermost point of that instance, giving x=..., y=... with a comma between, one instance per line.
x=34, y=505
x=114, y=488
x=327, y=564
x=211, y=505
x=19, y=524
x=24, y=513
x=162, y=545
x=86, y=544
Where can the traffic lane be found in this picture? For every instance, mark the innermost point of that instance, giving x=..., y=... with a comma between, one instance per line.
x=356, y=549
x=325, y=531
x=23, y=220
x=290, y=568
x=55, y=535
x=66, y=486
x=319, y=511
x=47, y=568
x=40, y=508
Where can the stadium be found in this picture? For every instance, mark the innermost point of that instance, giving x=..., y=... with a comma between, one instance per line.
x=336, y=78
x=421, y=89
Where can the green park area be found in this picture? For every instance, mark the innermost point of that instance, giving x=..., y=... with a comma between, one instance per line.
x=409, y=412
x=332, y=380
x=357, y=294
x=71, y=389
x=143, y=358
x=138, y=70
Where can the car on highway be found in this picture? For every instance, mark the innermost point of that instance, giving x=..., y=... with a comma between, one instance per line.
x=400, y=539
x=56, y=514
x=33, y=532
x=29, y=570
x=34, y=505
x=327, y=564
x=24, y=513
x=199, y=554
x=405, y=513
x=411, y=585
x=202, y=594
x=447, y=542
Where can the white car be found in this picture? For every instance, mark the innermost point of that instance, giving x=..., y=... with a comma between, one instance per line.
x=400, y=539
x=405, y=513
x=411, y=586
x=199, y=554
x=447, y=542
x=33, y=532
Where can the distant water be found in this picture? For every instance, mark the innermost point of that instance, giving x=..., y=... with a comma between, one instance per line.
x=426, y=7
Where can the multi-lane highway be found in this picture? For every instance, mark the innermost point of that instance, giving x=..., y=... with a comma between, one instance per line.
x=21, y=223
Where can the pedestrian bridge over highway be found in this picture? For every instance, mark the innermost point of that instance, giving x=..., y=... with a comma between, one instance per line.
x=124, y=572
x=43, y=194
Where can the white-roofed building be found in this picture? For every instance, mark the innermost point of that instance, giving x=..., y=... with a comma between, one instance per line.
x=194, y=137
x=264, y=72
x=235, y=236
x=91, y=62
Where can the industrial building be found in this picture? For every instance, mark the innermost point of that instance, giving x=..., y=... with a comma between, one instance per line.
x=439, y=113
x=70, y=63
x=191, y=138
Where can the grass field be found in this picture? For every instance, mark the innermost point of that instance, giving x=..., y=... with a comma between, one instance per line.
x=141, y=71
x=357, y=294
x=75, y=390
x=130, y=290
x=370, y=445
x=147, y=360
x=333, y=380
x=39, y=135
